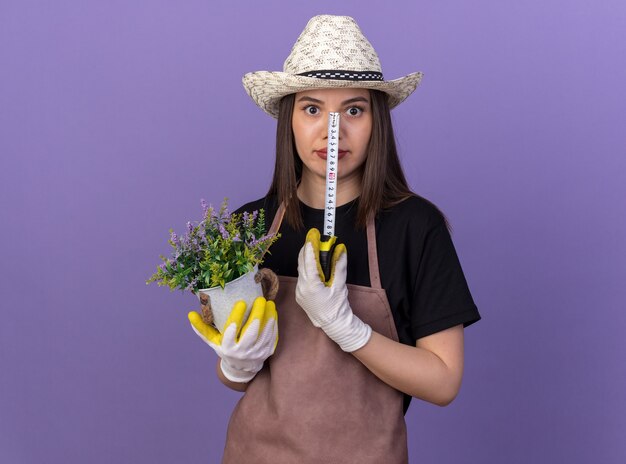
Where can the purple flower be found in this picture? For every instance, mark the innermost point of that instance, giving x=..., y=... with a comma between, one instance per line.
x=254, y=242
x=174, y=239
x=192, y=284
x=195, y=245
x=261, y=241
x=224, y=232
x=205, y=206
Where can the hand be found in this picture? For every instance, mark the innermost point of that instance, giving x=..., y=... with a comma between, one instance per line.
x=242, y=348
x=327, y=304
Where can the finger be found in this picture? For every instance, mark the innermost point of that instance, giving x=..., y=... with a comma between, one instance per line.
x=313, y=236
x=254, y=319
x=268, y=337
x=236, y=317
x=202, y=329
x=311, y=262
x=339, y=251
x=274, y=333
x=270, y=313
x=340, y=269
x=301, y=268
x=272, y=320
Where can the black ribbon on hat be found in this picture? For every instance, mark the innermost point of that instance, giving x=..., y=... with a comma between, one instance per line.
x=345, y=75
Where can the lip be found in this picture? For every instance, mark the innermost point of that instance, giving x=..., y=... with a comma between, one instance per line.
x=322, y=153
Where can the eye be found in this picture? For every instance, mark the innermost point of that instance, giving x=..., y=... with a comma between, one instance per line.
x=355, y=111
x=311, y=110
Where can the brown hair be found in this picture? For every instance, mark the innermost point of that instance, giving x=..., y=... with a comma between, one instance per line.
x=384, y=183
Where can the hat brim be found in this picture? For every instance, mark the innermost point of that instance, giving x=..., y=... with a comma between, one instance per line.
x=266, y=88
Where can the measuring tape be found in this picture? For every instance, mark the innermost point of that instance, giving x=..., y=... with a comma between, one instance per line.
x=328, y=239
x=332, y=160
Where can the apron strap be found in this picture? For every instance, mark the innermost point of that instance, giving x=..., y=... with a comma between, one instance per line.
x=372, y=252
x=278, y=219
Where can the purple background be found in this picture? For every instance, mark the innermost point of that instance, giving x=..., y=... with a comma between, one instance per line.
x=117, y=117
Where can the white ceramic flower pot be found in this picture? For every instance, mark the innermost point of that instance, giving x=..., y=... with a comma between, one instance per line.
x=223, y=299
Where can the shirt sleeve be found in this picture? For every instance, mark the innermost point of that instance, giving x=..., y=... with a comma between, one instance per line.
x=441, y=297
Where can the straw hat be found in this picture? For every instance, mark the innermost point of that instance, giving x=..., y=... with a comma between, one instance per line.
x=331, y=52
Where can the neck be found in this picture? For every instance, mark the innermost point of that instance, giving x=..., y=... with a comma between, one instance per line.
x=312, y=190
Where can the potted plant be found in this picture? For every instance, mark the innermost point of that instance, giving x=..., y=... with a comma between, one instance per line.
x=217, y=259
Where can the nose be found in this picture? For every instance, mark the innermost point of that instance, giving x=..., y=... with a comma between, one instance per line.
x=326, y=127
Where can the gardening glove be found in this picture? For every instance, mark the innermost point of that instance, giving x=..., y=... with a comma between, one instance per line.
x=242, y=347
x=313, y=237
x=327, y=304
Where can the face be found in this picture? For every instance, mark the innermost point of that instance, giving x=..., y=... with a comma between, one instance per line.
x=310, y=128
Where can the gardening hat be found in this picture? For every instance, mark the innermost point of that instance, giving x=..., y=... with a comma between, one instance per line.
x=331, y=52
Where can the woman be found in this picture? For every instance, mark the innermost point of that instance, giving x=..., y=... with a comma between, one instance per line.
x=389, y=324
